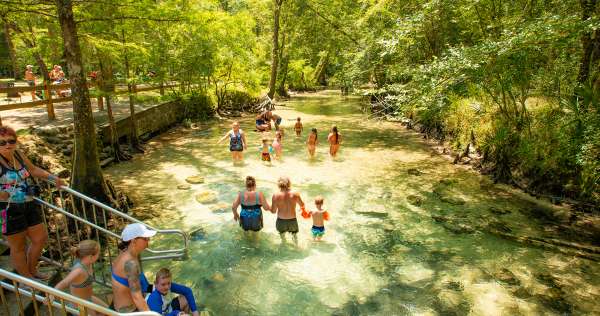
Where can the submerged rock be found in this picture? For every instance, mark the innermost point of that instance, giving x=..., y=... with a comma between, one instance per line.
x=499, y=226
x=506, y=276
x=448, y=181
x=374, y=214
x=206, y=197
x=454, y=285
x=414, y=172
x=452, y=200
x=556, y=302
x=218, y=277
x=221, y=207
x=184, y=186
x=499, y=211
x=414, y=200
x=195, y=179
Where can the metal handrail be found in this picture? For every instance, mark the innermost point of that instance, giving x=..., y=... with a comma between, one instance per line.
x=123, y=215
x=84, y=305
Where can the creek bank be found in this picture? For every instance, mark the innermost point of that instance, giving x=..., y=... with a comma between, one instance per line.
x=581, y=220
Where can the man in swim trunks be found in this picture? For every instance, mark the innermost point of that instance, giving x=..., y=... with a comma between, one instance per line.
x=263, y=121
x=284, y=204
x=128, y=281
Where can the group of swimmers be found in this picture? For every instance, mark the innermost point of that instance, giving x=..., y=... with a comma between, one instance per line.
x=131, y=290
x=283, y=203
x=238, y=142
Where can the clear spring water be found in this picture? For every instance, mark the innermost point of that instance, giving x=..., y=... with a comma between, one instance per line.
x=381, y=255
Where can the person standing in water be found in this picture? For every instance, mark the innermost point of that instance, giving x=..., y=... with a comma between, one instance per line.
x=265, y=150
x=277, y=146
x=319, y=217
x=237, y=142
x=298, y=127
x=252, y=202
x=284, y=204
x=334, y=138
x=312, y=142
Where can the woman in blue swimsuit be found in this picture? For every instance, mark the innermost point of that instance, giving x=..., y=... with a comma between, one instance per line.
x=128, y=281
x=252, y=203
x=237, y=142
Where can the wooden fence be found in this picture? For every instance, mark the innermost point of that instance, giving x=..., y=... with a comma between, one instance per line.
x=49, y=99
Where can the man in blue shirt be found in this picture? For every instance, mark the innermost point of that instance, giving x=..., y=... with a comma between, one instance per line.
x=158, y=300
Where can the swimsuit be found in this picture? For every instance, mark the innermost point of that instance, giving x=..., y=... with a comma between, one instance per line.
x=235, y=142
x=277, y=145
x=88, y=281
x=22, y=212
x=251, y=215
x=266, y=157
x=318, y=231
x=287, y=225
x=144, y=284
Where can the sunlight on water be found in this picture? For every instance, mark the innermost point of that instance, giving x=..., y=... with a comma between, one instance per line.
x=403, y=239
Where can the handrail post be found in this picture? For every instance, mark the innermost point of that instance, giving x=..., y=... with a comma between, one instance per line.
x=49, y=104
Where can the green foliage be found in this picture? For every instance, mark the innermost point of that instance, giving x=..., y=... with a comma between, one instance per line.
x=198, y=106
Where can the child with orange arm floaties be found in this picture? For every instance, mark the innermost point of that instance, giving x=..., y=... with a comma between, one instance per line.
x=319, y=217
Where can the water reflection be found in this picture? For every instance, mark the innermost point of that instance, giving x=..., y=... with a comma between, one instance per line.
x=408, y=233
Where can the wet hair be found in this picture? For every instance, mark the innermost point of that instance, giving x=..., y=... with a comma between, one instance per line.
x=250, y=182
x=284, y=183
x=298, y=119
x=161, y=274
x=314, y=130
x=123, y=245
x=319, y=199
x=85, y=248
x=335, y=130
x=7, y=131
x=235, y=123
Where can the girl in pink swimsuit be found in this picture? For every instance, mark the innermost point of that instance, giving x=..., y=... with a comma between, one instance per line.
x=277, y=145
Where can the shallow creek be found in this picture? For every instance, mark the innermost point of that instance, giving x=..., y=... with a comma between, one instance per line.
x=404, y=236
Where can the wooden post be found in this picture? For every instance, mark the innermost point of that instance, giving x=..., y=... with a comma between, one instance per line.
x=100, y=103
x=49, y=104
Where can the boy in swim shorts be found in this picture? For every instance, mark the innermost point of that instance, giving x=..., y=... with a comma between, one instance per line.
x=319, y=217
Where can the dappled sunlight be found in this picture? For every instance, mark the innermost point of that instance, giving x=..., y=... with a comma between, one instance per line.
x=409, y=231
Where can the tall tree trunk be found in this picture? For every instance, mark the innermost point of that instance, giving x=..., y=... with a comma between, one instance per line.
x=590, y=43
x=86, y=175
x=108, y=87
x=320, y=71
x=274, y=53
x=281, y=90
x=12, y=52
x=134, y=141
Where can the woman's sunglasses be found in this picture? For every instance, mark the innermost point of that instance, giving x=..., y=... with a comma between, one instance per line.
x=10, y=141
